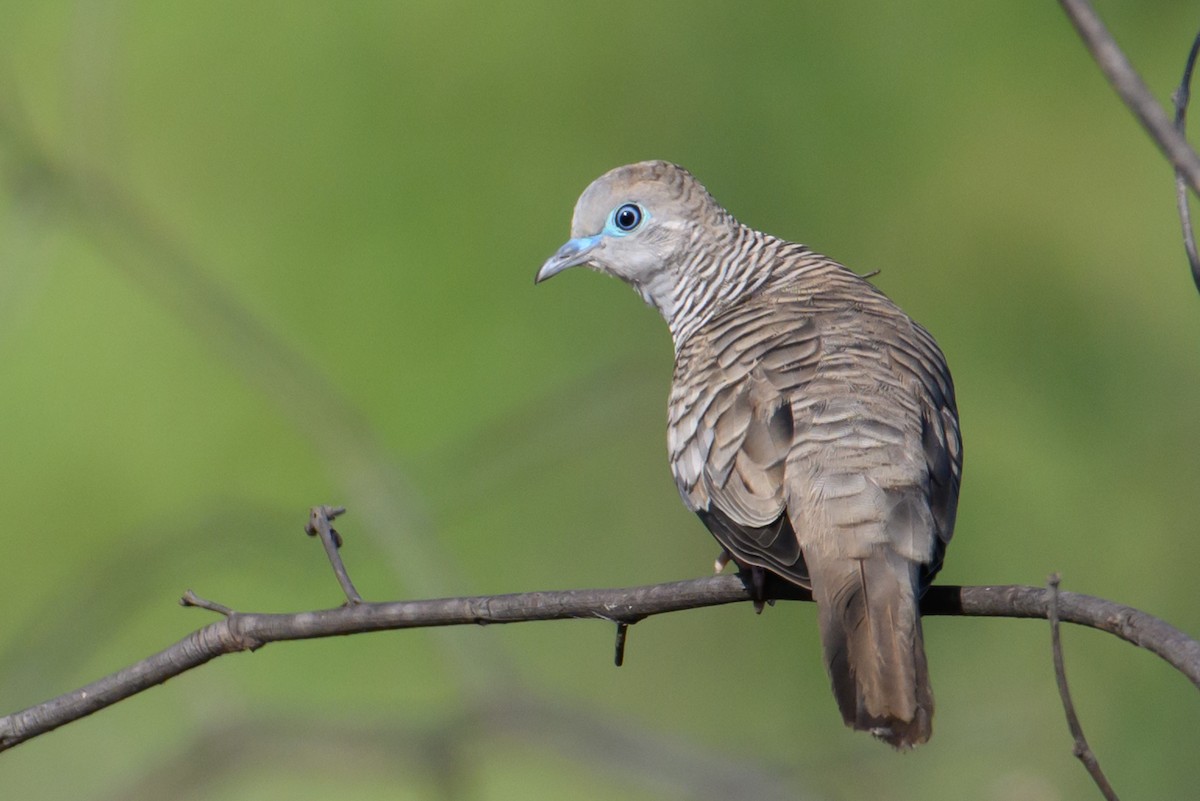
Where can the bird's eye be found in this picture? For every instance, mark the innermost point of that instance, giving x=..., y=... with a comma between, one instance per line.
x=627, y=217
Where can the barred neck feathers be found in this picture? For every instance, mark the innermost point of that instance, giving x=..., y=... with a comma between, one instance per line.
x=738, y=264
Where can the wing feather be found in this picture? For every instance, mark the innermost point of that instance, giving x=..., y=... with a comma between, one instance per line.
x=783, y=408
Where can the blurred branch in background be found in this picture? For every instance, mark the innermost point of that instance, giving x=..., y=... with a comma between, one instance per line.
x=136, y=244
x=443, y=755
x=1133, y=90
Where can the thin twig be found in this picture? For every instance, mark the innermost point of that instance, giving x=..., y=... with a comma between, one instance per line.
x=242, y=631
x=1133, y=90
x=619, y=649
x=1180, y=98
x=319, y=525
x=1081, y=748
x=192, y=599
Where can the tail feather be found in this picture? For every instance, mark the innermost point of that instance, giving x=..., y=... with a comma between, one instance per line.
x=874, y=652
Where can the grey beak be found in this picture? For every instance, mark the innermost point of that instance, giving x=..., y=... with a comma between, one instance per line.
x=572, y=254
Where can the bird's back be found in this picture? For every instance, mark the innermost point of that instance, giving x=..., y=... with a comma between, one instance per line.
x=817, y=389
x=812, y=426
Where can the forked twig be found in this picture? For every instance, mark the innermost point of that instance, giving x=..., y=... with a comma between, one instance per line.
x=1081, y=748
x=1141, y=102
x=1132, y=89
x=320, y=525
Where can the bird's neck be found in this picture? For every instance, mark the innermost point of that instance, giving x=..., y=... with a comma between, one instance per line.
x=719, y=270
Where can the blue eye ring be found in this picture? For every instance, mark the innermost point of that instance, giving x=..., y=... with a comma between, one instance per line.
x=627, y=217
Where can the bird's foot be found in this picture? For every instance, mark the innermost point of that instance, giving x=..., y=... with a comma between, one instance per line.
x=723, y=558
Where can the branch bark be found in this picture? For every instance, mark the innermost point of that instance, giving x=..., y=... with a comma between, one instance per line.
x=250, y=631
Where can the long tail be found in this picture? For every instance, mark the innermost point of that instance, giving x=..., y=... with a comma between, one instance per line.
x=871, y=632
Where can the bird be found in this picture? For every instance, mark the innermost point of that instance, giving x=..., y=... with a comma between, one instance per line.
x=812, y=424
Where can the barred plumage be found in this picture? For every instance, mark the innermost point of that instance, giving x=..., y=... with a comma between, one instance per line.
x=811, y=423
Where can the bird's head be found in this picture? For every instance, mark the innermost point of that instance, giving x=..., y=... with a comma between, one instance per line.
x=637, y=223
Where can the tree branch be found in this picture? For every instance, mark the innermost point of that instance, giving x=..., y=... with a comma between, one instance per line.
x=249, y=631
x=1170, y=137
x=1133, y=90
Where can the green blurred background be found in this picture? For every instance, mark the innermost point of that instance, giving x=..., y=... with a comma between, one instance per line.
x=255, y=257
